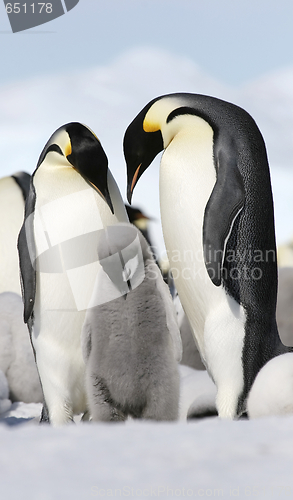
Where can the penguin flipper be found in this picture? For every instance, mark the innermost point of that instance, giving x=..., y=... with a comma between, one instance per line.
x=27, y=256
x=222, y=209
x=22, y=179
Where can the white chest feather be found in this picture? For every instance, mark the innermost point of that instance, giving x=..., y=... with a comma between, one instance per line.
x=187, y=178
x=68, y=216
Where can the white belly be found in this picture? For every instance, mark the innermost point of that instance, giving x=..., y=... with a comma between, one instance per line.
x=187, y=178
x=64, y=286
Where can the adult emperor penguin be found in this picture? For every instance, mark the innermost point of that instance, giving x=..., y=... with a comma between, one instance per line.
x=131, y=340
x=72, y=197
x=13, y=192
x=218, y=225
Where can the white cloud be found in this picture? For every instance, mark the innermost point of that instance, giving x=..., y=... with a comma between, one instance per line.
x=106, y=98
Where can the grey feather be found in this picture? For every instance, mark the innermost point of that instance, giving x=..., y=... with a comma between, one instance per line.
x=134, y=341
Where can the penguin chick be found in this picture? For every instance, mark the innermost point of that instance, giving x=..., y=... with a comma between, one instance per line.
x=72, y=197
x=131, y=341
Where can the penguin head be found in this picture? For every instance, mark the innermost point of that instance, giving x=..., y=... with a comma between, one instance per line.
x=149, y=133
x=74, y=145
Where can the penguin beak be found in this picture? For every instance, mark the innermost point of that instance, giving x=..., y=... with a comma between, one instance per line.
x=105, y=195
x=132, y=183
x=140, y=149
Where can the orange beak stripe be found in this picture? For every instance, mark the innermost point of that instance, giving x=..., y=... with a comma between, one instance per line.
x=135, y=177
x=97, y=189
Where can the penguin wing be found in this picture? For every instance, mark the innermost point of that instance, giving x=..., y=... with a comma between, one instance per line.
x=27, y=256
x=23, y=181
x=172, y=324
x=224, y=205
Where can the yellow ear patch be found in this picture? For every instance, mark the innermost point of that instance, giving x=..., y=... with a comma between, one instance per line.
x=149, y=126
x=156, y=116
x=68, y=149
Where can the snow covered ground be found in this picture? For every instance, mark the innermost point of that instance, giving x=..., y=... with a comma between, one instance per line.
x=199, y=458
x=204, y=458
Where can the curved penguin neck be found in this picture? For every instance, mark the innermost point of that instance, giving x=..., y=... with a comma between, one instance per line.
x=187, y=178
x=56, y=181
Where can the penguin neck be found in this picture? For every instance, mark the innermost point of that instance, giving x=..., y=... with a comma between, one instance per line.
x=187, y=176
x=53, y=182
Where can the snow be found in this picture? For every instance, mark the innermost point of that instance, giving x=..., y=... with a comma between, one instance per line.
x=107, y=98
x=197, y=394
x=209, y=458
x=205, y=457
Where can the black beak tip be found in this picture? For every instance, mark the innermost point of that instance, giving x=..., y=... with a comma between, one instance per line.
x=109, y=202
x=129, y=194
x=111, y=207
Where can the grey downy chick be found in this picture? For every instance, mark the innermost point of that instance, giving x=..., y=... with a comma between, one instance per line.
x=130, y=337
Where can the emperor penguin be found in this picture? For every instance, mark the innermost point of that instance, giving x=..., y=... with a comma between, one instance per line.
x=13, y=193
x=131, y=340
x=218, y=225
x=72, y=197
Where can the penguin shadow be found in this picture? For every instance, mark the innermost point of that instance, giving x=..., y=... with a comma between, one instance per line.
x=130, y=338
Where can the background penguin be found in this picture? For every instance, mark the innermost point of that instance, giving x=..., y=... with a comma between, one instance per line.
x=140, y=220
x=285, y=305
x=16, y=355
x=5, y=403
x=214, y=174
x=131, y=341
x=13, y=192
x=72, y=197
x=285, y=254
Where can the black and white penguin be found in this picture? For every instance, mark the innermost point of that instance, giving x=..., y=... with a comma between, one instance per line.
x=13, y=192
x=131, y=340
x=140, y=220
x=72, y=197
x=218, y=224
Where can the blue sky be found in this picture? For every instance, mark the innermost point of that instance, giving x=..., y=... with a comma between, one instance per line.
x=232, y=40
